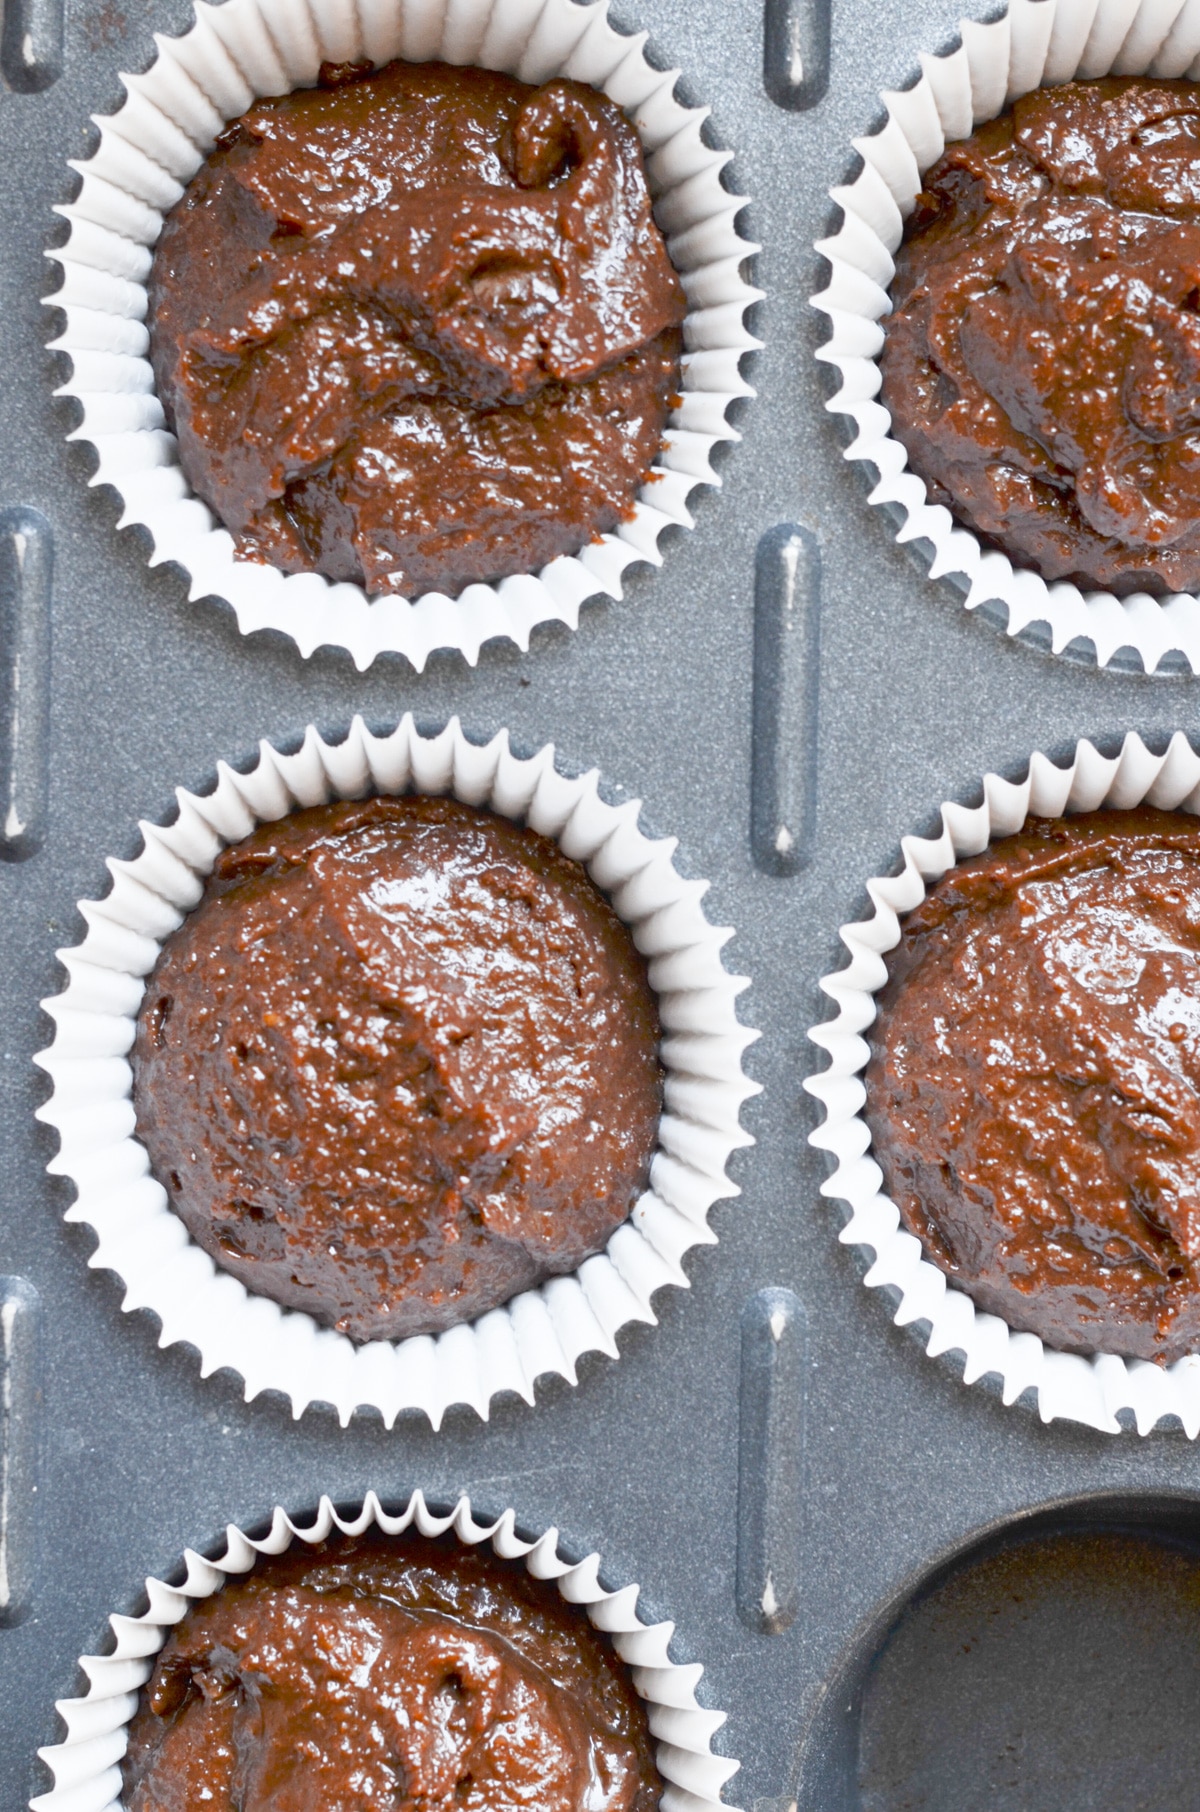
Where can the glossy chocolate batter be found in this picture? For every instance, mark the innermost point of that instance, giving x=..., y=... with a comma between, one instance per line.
x=391, y=1675
x=418, y=328
x=398, y=1065
x=1042, y=361
x=1034, y=1085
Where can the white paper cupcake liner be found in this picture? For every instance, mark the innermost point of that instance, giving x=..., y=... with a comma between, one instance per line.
x=87, y=1764
x=151, y=147
x=544, y=1330
x=1036, y=43
x=1091, y=1390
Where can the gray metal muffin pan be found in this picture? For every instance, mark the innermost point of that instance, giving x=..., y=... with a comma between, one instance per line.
x=863, y=1467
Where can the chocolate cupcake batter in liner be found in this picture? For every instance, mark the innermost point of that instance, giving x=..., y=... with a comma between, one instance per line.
x=399, y=1065
x=89, y=1764
x=153, y=146
x=1102, y=1390
x=538, y=1330
x=1038, y=43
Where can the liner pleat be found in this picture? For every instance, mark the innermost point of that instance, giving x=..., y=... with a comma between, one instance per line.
x=541, y=1331
x=1036, y=43
x=86, y=1765
x=152, y=146
x=1092, y=1390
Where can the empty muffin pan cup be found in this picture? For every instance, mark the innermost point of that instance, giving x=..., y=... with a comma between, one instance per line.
x=1036, y=43
x=86, y=1765
x=154, y=144
x=1095, y=1390
x=540, y=1331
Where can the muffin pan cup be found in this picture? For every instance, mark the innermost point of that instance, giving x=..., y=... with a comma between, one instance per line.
x=541, y=1331
x=87, y=1764
x=1092, y=1391
x=1035, y=43
x=151, y=147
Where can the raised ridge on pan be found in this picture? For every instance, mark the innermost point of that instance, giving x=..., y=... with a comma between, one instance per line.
x=539, y=1331
x=1093, y=1390
x=151, y=147
x=87, y=1764
x=1036, y=43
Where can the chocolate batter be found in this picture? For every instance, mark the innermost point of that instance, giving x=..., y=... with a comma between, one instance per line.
x=1034, y=1086
x=1042, y=361
x=401, y=1675
x=398, y=1065
x=418, y=328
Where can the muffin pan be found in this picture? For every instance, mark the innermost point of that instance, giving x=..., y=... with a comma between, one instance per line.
x=780, y=1469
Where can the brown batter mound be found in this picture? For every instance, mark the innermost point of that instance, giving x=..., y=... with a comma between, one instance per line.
x=1034, y=1086
x=418, y=328
x=1042, y=363
x=404, y=1675
x=398, y=1065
